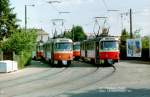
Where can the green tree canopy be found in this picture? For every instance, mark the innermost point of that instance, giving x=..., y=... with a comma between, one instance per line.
x=145, y=42
x=124, y=37
x=20, y=41
x=7, y=19
x=76, y=33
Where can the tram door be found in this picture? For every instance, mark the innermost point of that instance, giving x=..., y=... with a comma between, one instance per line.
x=97, y=52
x=85, y=49
x=52, y=53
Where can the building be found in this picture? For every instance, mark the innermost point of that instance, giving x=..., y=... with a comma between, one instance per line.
x=42, y=35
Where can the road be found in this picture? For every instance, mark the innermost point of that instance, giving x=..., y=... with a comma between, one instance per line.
x=131, y=79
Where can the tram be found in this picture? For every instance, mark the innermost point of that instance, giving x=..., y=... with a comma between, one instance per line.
x=37, y=54
x=58, y=51
x=101, y=50
x=76, y=50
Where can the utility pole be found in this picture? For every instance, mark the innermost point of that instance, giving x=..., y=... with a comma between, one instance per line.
x=131, y=34
x=122, y=26
x=26, y=15
x=25, y=18
x=73, y=32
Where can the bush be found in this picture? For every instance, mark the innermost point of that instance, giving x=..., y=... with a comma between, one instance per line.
x=22, y=44
x=23, y=59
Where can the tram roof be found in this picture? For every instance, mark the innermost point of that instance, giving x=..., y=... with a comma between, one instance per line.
x=76, y=43
x=56, y=40
x=99, y=38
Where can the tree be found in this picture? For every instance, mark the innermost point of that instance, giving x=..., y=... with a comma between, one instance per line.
x=68, y=34
x=76, y=33
x=20, y=41
x=7, y=19
x=124, y=37
x=145, y=42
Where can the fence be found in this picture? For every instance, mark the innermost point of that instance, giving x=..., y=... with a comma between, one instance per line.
x=22, y=59
x=144, y=57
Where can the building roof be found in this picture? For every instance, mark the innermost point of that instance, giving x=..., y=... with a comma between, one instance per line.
x=41, y=32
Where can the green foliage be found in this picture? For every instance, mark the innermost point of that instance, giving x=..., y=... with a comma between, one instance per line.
x=145, y=42
x=12, y=39
x=68, y=34
x=76, y=34
x=20, y=41
x=22, y=44
x=23, y=58
x=124, y=37
x=7, y=19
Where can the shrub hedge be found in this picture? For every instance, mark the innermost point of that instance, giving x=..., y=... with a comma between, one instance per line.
x=22, y=44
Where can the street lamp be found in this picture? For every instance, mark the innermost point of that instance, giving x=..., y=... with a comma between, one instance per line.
x=26, y=16
x=50, y=2
x=64, y=12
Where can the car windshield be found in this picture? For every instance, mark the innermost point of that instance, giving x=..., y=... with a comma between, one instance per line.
x=76, y=47
x=63, y=46
x=109, y=45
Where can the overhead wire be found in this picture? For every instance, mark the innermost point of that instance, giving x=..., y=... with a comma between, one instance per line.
x=105, y=4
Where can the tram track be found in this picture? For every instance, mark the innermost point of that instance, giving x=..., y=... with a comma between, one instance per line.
x=28, y=79
x=87, y=84
x=81, y=86
x=75, y=85
x=52, y=85
x=48, y=84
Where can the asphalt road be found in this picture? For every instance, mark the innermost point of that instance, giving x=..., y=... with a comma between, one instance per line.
x=131, y=79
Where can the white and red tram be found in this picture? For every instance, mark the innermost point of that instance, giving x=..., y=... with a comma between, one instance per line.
x=101, y=50
x=76, y=50
x=59, y=51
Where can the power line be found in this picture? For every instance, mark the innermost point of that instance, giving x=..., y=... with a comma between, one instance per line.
x=55, y=8
x=105, y=4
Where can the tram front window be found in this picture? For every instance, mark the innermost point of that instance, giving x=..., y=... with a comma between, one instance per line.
x=76, y=47
x=109, y=45
x=63, y=46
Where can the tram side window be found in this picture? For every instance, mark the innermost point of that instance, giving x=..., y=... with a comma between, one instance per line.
x=83, y=46
x=38, y=48
x=92, y=45
x=87, y=45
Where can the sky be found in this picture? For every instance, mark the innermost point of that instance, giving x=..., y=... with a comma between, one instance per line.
x=83, y=13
